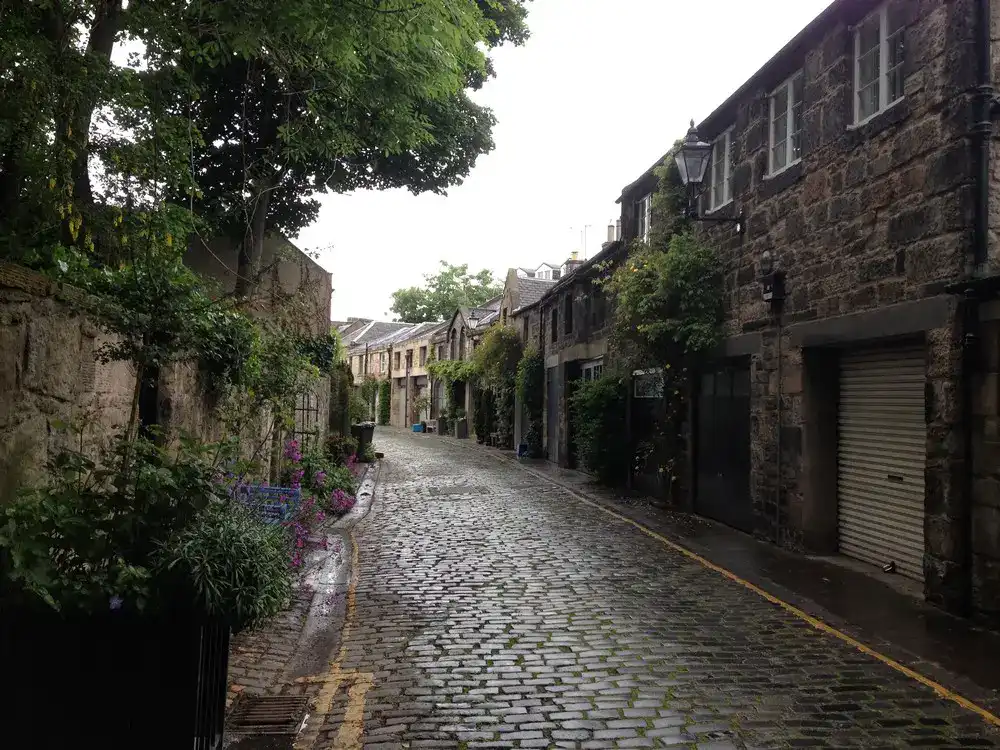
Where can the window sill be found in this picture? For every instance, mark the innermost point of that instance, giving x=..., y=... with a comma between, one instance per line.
x=781, y=181
x=889, y=117
x=876, y=115
x=716, y=209
x=779, y=172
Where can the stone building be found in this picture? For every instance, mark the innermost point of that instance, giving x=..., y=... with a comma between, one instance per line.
x=848, y=419
x=567, y=320
x=457, y=341
x=409, y=353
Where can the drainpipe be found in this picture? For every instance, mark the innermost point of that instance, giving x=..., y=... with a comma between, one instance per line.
x=971, y=293
x=982, y=132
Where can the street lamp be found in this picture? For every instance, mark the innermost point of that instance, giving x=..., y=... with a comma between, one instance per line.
x=692, y=162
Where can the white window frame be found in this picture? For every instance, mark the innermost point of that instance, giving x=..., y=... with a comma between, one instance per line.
x=883, y=65
x=790, y=158
x=645, y=216
x=727, y=155
x=593, y=369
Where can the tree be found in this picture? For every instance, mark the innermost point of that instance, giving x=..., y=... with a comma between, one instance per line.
x=239, y=112
x=444, y=292
x=375, y=100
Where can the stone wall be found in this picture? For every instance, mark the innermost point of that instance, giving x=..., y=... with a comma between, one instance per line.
x=291, y=285
x=985, y=521
x=50, y=375
x=869, y=227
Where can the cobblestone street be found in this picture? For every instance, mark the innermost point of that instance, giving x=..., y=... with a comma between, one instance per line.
x=494, y=609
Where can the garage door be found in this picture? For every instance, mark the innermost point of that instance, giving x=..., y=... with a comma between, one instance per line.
x=882, y=449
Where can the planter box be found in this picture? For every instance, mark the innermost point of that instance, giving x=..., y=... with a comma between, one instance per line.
x=117, y=678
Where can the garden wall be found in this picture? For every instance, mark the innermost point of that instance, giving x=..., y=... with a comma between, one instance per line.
x=50, y=376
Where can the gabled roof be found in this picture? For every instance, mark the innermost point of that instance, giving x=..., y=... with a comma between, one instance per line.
x=530, y=290
x=373, y=331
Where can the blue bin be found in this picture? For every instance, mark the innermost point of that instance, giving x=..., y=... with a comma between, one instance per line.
x=418, y=428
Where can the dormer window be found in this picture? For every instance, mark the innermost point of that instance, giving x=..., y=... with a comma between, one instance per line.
x=878, y=63
x=721, y=187
x=644, y=217
x=786, y=125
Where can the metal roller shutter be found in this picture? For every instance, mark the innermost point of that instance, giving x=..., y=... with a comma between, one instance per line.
x=881, y=457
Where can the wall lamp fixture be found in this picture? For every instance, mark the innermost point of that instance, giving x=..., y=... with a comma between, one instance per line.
x=692, y=160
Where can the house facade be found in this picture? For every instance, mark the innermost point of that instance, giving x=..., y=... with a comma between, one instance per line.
x=838, y=418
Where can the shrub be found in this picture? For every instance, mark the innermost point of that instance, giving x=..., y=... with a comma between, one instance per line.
x=530, y=392
x=227, y=563
x=338, y=448
x=384, y=402
x=597, y=408
x=141, y=528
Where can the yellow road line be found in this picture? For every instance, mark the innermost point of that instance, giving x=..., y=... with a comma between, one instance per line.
x=335, y=676
x=352, y=729
x=823, y=627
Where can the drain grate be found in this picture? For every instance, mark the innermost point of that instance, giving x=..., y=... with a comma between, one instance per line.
x=268, y=714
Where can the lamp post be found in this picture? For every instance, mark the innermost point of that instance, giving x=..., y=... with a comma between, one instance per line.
x=692, y=161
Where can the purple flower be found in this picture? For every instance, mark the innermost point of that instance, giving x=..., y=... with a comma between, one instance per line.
x=116, y=602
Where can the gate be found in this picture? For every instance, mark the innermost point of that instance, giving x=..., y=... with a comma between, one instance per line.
x=306, y=419
x=722, y=488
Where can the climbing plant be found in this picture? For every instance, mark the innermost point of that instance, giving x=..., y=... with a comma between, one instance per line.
x=668, y=310
x=384, y=403
x=597, y=408
x=497, y=357
x=530, y=384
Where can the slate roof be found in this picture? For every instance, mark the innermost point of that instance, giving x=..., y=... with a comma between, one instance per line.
x=529, y=291
x=374, y=331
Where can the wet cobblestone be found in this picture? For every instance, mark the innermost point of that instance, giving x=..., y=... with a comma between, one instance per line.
x=495, y=610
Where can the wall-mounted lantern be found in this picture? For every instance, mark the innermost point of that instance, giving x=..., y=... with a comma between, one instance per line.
x=692, y=161
x=772, y=282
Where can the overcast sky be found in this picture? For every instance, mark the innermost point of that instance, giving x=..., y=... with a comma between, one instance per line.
x=599, y=92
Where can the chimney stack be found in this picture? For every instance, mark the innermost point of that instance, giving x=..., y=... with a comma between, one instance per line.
x=618, y=229
x=575, y=255
x=611, y=232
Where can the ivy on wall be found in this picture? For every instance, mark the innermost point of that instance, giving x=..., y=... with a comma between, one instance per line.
x=668, y=311
x=530, y=385
x=384, y=402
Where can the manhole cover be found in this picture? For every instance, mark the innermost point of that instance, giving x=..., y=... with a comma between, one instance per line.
x=268, y=714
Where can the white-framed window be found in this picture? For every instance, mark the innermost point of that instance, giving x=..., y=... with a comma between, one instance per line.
x=786, y=125
x=644, y=216
x=592, y=370
x=647, y=383
x=878, y=63
x=721, y=190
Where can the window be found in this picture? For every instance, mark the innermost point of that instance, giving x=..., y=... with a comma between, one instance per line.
x=592, y=370
x=395, y=361
x=647, y=384
x=554, y=324
x=568, y=314
x=381, y=362
x=556, y=274
x=503, y=317
x=644, y=217
x=409, y=359
x=423, y=356
x=878, y=63
x=440, y=351
x=525, y=324
x=786, y=124
x=722, y=172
